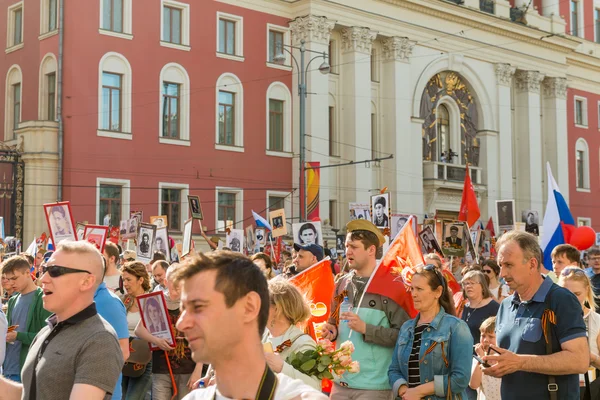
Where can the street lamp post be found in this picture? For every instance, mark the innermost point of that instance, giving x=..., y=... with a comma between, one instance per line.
x=324, y=68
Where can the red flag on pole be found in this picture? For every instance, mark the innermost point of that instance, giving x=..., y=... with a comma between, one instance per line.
x=490, y=227
x=469, y=209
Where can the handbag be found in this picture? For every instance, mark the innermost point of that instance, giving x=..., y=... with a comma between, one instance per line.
x=139, y=357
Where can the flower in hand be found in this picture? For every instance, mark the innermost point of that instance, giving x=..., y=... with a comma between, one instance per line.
x=325, y=360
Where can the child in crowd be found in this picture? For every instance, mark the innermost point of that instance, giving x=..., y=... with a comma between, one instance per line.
x=488, y=387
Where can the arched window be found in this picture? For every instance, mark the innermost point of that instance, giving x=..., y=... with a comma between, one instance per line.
x=582, y=165
x=443, y=133
x=47, y=91
x=279, y=121
x=174, y=105
x=114, y=96
x=12, y=104
x=229, y=113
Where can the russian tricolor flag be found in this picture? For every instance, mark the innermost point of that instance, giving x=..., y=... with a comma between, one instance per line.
x=261, y=222
x=557, y=216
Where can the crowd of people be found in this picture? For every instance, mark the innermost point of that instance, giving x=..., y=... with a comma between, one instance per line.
x=74, y=326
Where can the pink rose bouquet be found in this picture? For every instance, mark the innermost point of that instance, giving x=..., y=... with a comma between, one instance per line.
x=325, y=360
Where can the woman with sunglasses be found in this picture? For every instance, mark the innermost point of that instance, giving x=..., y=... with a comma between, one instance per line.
x=492, y=270
x=432, y=358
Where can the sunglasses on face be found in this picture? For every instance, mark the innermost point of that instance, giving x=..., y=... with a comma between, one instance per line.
x=487, y=271
x=432, y=268
x=56, y=270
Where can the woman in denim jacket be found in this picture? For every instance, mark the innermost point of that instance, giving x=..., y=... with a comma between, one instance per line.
x=433, y=352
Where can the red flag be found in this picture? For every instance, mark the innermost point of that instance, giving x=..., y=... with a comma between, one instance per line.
x=490, y=228
x=394, y=273
x=317, y=286
x=469, y=209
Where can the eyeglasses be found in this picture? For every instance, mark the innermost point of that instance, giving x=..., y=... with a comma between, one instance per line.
x=487, y=271
x=437, y=273
x=595, y=259
x=469, y=283
x=575, y=270
x=56, y=270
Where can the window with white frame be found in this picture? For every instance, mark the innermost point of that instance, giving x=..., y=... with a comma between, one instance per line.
x=47, y=91
x=584, y=221
x=333, y=212
x=112, y=198
x=12, y=102
x=229, y=112
x=174, y=105
x=581, y=118
x=175, y=25
x=229, y=204
x=277, y=200
x=173, y=204
x=116, y=18
x=114, y=94
x=374, y=132
x=332, y=128
x=597, y=25
x=49, y=16
x=14, y=25
x=374, y=65
x=332, y=56
x=574, y=4
x=279, y=121
x=278, y=38
x=230, y=31
x=582, y=165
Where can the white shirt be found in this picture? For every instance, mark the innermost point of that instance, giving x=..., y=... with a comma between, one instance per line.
x=490, y=386
x=287, y=389
x=504, y=291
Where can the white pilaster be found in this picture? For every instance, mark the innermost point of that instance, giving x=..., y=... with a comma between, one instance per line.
x=550, y=7
x=504, y=74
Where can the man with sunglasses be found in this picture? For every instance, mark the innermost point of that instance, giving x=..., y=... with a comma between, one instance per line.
x=77, y=355
x=25, y=311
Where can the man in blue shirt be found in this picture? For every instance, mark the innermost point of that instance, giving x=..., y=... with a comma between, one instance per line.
x=522, y=362
x=113, y=311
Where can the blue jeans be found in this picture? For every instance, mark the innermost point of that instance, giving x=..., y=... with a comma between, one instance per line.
x=14, y=378
x=136, y=388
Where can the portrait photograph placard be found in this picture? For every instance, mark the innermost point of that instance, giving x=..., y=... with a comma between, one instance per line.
x=139, y=215
x=250, y=237
x=60, y=222
x=531, y=218
x=96, y=235
x=131, y=228
x=453, y=242
x=260, y=236
x=340, y=244
x=195, y=207
x=505, y=215
x=360, y=211
x=155, y=317
x=80, y=229
x=186, y=246
x=308, y=233
x=429, y=242
x=277, y=221
x=145, y=242
x=123, y=228
x=234, y=240
x=160, y=221
x=380, y=210
x=161, y=242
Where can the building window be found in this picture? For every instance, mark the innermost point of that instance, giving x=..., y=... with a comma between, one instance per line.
x=279, y=121
x=14, y=33
x=574, y=18
x=374, y=64
x=581, y=111
x=441, y=146
x=333, y=213
x=226, y=118
x=275, y=44
x=226, y=36
x=170, y=205
x=374, y=136
x=172, y=25
x=584, y=221
x=111, y=102
x=333, y=145
x=12, y=101
x=332, y=58
x=51, y=16
x=18, y=21
x=170, y=112
x=582, y=169
x=112, y=15
x=276, y=125
x=226, y=213
x=110, y=204
x=229, y=36
x=51, y=84
x=580, y=155
x=16, y=96
x=597, y=24
x=276, y=203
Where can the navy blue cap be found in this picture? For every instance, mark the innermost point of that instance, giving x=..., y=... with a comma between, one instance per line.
x=315, y=249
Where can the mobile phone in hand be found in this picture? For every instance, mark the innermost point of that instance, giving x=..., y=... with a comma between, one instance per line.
x=480, y=361
x=490, y=349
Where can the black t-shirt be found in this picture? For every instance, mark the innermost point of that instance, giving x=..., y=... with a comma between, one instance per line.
x=595, y=279
x=475, y=316
x=180, y=358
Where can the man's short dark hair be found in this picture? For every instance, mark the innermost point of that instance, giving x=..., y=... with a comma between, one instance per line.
x=162, y=263
x=112, y=250
x=594, y=251
x=571, y=252
x=29, y=258
x=527, y=242
x=236, y=277
x=158, y=256
x=368, y=239
x=14, y=264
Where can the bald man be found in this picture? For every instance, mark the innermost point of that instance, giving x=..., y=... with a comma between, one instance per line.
x=77, y=356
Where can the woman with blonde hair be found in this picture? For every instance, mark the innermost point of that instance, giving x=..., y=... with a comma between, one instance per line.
x=283, y=337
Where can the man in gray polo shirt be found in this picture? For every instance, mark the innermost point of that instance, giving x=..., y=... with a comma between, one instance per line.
x=77, y=355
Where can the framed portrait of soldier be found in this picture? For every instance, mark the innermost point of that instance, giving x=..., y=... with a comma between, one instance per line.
x=428, y=241
x=505, y=215
x=453, y=239
x=380, y=210
x=160, y=221
x=195, y=207
x=277, y=221
x=161, y=242
x=155, y=317
x=235, y=239
x=340, y=244
x=531, y=219
x=308, y=233
x=123, y=228
x=131, y=229
x=60, y=222
x=186, y=246
x=260, y=237
x=96, y=235
x=80, y=229
x=145, y=242
x=139, y=215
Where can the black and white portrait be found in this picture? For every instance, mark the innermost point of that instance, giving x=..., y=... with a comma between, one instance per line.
x=155, y=316
x=260, y=237
x=505, y=212
x=453, y=234
x=340, y=243
x=159, y=220
x=398, y=222
x=133, y=222
x=161, y=243
x=123, y=228
x=235, y=240
x=60, y=222
x=145, y=242
x=429, y=242
x=531, y=219
x=277, y=220
x=380, y=205
x=195, y=208
x=308, y=233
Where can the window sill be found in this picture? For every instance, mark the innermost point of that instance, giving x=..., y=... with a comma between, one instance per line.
x=115, y=135
x=281, y=154
x=584, y=190
x=48, y=34
x=581, y=126
x=279, y=66
x=230, y=57
x=120, y=35
x=225, y=147
x=175, y=46
x=14, y=48
x=176, y=142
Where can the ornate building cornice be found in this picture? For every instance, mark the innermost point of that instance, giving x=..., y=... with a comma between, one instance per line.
x=504, y=74
x=398, y=48
x=359, y=39
x=312, y=28
x=529, y=81
x=555, y=87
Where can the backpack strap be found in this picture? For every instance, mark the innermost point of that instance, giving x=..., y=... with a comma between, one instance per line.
x=549, y=317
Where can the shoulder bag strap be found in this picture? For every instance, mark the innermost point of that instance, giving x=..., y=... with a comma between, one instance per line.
x=548, y=318
x=266, y=389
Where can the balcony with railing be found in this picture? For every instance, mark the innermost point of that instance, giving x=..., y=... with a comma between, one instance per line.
x=441, y=171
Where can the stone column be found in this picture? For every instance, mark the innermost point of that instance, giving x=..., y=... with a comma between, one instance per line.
x=315, y=31
x=355, y=80
x=550, y=7
x=529, y=164
x=554, y=128
x=407, y=182
x=504, y=74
